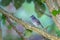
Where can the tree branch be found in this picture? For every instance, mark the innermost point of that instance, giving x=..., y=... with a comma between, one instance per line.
x=28, y=26
x=19, y=33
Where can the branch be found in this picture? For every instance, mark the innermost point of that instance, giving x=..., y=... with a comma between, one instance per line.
x=28, y=26
x=19, y=33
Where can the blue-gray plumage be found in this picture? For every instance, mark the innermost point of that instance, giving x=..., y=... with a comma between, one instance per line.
x=36, y=21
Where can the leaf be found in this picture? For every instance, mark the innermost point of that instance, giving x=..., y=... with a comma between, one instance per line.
x=29, y=1
x=18, y=3
x=41, y=5
x=54, y=12
x=9, y=27
x=21, y=38
x=58, y=33
x=5, y=2
x=39, y=2
x=0, y=16
x=27, y=33
x=59, y=11
x=3, y=19
x=39, y=8
x=39, y=14
x=29, y=30
x=42, y=1
x=51, y=28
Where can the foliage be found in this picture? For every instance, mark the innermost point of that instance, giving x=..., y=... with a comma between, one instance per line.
x=40, y=4
x=9, y=36
x=18, y=3
x=5, y=2
x=39, y=7
x=29, y=1
x=42, y=1
x=0, y=16
x=9, y=27
x=21, y=38
x=55, y=12
x=4, y=19
x=27, y=33
x=58, y=33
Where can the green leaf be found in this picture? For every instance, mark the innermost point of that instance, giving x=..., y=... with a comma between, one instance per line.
x=39, y=14
x=59, y=11
x=29, y=1
x=39, y=2
x=9, y=27
x=4, y=19
x=21, y=38
x=54, y=12
x=5, y=2
x=58, y=33
x=18, y=3
x=40, y=8
x=51, y=28
x=28, y=30
x=43, y=1
x=27, y=33
x=0, y=16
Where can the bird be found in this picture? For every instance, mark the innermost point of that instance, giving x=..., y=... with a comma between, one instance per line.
x=35, y=21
